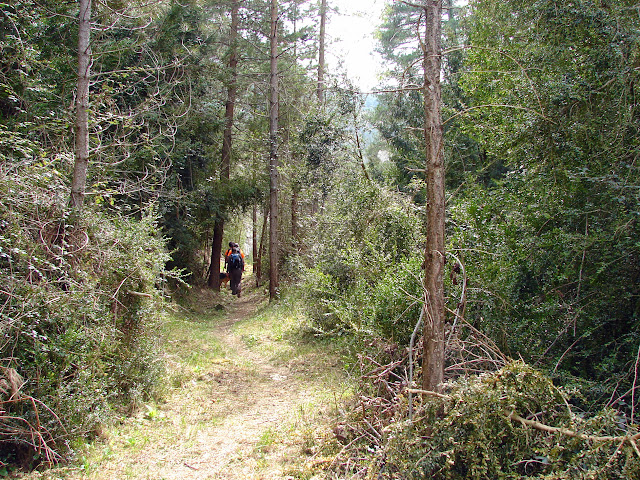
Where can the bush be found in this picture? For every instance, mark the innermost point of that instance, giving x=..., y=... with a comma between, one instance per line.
x=470, y=435
x=363, y=268
x=78, y=308
x=551, y=283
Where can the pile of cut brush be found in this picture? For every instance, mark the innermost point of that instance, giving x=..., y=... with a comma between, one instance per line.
x=509, y=421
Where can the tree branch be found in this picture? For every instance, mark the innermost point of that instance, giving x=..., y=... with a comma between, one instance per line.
x=495, y=105
x=429, y=393
x=570, y=433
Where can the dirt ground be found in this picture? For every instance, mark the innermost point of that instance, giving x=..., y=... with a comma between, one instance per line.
x=254, y=411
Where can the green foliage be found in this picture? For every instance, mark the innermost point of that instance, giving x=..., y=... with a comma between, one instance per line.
x=550, y=246
x=399, y=116
x=364, y=264
x=551, y=284
x=30, y=58
x=80, y=307
x=544, y=217
x=472, y=433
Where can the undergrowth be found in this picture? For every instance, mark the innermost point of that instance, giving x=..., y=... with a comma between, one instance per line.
x=79, y=302
x=512, y=423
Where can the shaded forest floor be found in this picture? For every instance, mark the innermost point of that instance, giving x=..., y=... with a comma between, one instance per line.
x=247, y=399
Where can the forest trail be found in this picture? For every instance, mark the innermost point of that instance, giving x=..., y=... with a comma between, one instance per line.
x=252, y=409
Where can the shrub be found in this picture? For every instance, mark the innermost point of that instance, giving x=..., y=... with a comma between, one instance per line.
x=78, y=307
x=362, y=270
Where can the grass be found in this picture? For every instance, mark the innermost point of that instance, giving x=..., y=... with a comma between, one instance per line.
x=203, y=376
x=268, y=438
x=279, y=332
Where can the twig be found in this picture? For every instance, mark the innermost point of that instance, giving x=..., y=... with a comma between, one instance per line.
x=411, y=345
x=565, y=352
x=459, y=312
x=584, y=255
x=634, y=445
x=570, y=433
x=139, y=294
x=633, y=390
x=430, y=393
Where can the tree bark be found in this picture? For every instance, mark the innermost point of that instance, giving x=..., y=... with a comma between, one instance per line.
x=81, y=164
x=263, y=234
x=321, y=62
x=254, y=237
x=273, y=155
x=216, y=248
x=225, y=171
x=434, y=315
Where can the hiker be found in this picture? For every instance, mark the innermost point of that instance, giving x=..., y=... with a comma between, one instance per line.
x=227, y=254
x=235, y=266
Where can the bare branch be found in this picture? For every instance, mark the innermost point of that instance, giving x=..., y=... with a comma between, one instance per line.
x=497, y=105
x=570, y=433
x=429, y=393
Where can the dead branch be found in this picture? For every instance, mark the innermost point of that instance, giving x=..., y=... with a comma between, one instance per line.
x=570, y=433
x=139, y=294
x=429, y=393
x=633, y=389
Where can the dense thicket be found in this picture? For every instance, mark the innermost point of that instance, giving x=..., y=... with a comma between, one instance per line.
x=80, y=305
x=80, y=291
x=552, y=248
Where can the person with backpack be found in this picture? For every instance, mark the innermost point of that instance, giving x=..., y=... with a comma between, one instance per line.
x=235, y=266
x=229, y=251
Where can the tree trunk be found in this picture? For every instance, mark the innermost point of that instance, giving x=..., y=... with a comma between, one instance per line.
x=254, y=237
x=434, y=318
x=273, y=155
x=321, y=63
x=79, y=180
x=218, y=232
x=263, y=234
x=216, y=247
x=294, y=213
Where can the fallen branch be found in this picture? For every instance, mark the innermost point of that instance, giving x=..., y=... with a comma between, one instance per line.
x=139, y=294
x=570, y=433
x=430, y=393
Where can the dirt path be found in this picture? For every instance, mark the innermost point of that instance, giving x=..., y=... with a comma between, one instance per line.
x=260, y=404
x=251, y=410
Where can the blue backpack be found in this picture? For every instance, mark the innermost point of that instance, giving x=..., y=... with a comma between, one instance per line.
x=235, y=260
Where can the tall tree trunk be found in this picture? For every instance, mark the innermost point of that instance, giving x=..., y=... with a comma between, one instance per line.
x=273, y=155
x=254, y=237
x=321, y=63
x=294, y=213
x=433, y=355
x=79, y=180
x=216, y=247
x=263, y=234
x=218, y=231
